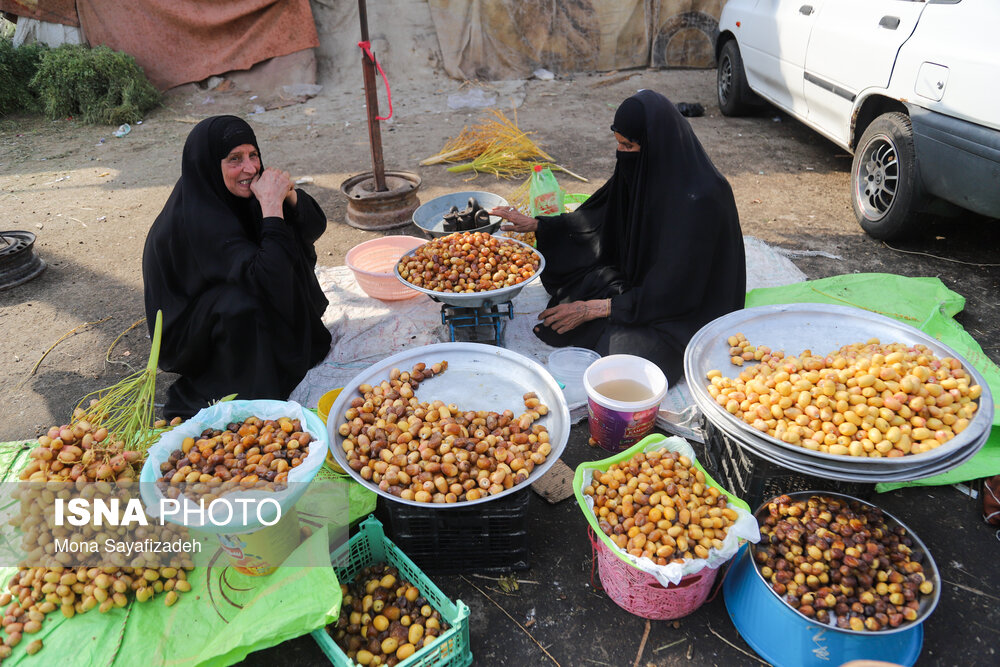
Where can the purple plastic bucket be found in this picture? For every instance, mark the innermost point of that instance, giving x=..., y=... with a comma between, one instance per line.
x=617, y=425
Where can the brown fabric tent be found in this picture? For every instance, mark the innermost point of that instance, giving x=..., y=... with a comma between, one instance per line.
x=50, y=11
x=180, y=41
x=188, y=40
x=508, y=39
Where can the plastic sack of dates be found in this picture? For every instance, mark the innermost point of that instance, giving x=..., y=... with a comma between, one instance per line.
x=684, y=539
x=294, y=480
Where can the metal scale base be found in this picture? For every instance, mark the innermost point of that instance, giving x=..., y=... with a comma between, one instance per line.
x=481, y=324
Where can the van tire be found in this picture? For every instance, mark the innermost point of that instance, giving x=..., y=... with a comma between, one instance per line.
x=886, y=192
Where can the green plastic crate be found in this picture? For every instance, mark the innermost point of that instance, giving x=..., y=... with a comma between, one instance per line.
x=371, y=546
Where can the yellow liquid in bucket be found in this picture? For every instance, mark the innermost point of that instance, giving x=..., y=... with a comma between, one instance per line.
x=323, y=408
x=626, y=391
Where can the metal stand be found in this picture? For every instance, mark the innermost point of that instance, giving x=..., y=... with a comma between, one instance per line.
x=470, y=324
x=371, y=104
x=377, y=200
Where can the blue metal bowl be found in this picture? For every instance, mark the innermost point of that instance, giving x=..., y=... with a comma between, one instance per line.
x=429, y=217
x=783, y=637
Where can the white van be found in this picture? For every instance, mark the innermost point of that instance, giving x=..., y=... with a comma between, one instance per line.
x=911, y=87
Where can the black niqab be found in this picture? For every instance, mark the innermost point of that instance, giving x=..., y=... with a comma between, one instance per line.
x=661, y=238
x=209, y=254
x=630, y=120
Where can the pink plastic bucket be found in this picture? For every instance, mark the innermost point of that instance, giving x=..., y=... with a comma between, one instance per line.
x=639, y=592
x=617, y=425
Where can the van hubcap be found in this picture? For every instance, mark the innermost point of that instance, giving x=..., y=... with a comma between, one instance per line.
x=878, y=177
x=725, y=79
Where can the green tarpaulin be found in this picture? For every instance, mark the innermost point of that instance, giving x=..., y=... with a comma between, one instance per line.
x=225, y=616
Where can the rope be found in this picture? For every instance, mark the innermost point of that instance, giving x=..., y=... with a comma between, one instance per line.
x=367, y=48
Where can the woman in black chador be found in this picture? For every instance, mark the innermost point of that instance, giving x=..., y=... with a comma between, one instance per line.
x=230, y=262
x=653, y=255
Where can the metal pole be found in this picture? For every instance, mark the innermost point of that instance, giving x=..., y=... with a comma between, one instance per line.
x=371, y=99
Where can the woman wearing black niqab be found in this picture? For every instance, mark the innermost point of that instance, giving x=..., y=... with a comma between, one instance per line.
x=653, y=255
x=230, y=261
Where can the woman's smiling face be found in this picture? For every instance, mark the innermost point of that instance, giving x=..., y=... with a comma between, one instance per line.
x=240, y=168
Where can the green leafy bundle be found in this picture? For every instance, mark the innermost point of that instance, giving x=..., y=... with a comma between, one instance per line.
x=99, y=85
x=17, y=67
x=125, y=409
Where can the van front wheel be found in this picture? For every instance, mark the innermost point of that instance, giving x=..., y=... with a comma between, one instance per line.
x=887, y=195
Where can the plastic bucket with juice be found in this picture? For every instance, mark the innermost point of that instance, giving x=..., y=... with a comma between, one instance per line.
x=623, y=397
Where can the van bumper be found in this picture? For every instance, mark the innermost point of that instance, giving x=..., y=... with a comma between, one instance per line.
x=959, y=161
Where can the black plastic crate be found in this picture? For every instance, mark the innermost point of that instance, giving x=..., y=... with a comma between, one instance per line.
x=488, y=538
x=755, y=479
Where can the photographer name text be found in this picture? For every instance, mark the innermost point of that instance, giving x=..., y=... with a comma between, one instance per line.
x=146, y=546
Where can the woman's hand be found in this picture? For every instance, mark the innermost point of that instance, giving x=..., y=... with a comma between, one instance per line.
x=568, y=316
x=271, y=188
x=517, y=221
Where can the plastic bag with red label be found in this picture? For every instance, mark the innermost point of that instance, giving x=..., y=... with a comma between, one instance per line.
x=545, y=195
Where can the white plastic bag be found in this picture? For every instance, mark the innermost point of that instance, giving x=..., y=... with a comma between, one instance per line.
x=744, y=528
x=216, y=417
x=473, y=98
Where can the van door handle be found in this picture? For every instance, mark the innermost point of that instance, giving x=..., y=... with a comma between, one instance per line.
x=890, y=22
x=806, y=9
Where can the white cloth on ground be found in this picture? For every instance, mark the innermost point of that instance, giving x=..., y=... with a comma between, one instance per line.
x=366, y=330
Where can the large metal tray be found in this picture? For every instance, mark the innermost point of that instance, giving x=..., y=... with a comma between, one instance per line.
x=927, y=602
x=842, y=468
x=474, y=299
x=821, y=328
x=479, y=377
x=816, y=468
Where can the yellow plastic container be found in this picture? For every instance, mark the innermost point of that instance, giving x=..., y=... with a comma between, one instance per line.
x=326, y=402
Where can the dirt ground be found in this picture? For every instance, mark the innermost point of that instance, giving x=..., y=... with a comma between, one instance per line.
x=90, y=198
